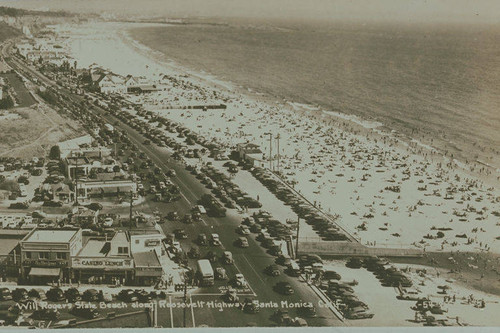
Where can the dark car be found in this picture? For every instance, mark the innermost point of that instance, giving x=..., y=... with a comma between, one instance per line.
x=284, y=288
x=188, y=219
x=143, y=296
x=88, y=313
x=91, y=295
x=273, y=270
x=55, y=295
x=180, y=234
x=331, y=275
x=5, y=294
x=354, y=263
x=127, y=295
x=37, y=293
x=202, y=240
x=249, y=306
x=46, y=314
x=173, y=216
x=72, y=295
x=19, y=294
x=194, y=253
x=211, y=256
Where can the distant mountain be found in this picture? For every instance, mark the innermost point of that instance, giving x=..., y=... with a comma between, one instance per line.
x=15, y=12
x=7, y=31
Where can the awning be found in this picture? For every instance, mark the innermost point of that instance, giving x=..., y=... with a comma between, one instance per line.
x=39, y=271
x=149, y=273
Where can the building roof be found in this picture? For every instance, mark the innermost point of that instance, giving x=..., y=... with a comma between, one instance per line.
x=146, y=259
x=94, y=248
x=144, y=232
x=50, y=236
x=7, y=245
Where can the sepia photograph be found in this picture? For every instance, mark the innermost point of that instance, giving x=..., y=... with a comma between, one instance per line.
x=234, y=163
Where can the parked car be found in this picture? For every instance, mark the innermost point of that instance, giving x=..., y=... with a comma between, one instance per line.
x=37, y=293
x=214, y=240
x=273, y=270
x=227, y=257
x=220, y=273
x=73, y=295
x=19, y=294
x=55, y=294
x=202, y=239
x=194, y=252
x=91, y=295
x=249, y=306
x=239, y=280
x=173, y=216
x=242, y=242
x=5, y=294
x=127, y=295
x=284, y=288
x=180, y=233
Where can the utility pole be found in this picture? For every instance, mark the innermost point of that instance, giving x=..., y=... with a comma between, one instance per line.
x=185, y=300
x=131, y=205
x=76, y=180
x=297, y=239
x=270, y=149
x=278, y=141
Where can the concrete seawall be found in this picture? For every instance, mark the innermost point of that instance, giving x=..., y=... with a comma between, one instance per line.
x=351, y=249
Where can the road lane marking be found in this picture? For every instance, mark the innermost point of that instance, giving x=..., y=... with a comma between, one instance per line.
x=171, y=314
x=248, y=283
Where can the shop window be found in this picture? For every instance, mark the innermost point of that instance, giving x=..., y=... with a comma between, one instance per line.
x=61, y=255
x=123, y=250
x=44, y=255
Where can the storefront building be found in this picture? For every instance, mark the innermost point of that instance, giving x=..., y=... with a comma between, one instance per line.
x=148, y=270
x=46, y=255
x=105, y=261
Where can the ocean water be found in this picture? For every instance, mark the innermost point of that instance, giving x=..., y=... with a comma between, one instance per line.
x=438, y=84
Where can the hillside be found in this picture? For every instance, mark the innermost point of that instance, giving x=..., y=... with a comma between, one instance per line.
x=7, y=31
x=15, y=12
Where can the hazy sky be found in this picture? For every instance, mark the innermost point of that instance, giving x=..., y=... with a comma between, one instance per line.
x=400, y=10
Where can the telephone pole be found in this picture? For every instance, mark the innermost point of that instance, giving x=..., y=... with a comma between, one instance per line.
x=76, y=180
x=278, y=141
x=185, y=300
x=131, y=205
x=297, y=239
x=270, y=149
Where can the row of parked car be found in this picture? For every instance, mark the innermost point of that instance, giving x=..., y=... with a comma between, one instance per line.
x=324, y=227
x=71, y=295
x=222, y=187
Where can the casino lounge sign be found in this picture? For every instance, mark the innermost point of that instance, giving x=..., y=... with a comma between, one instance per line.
x=117, y=263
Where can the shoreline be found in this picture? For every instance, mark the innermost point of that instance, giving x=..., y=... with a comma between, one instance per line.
x=353, y=122
x=278, y=115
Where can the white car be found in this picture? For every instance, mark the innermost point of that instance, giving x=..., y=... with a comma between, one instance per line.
x=244, y=230
x=201, y=209
x=240, y=280
x=108, y=222
x=176, y=247
x=215, y=240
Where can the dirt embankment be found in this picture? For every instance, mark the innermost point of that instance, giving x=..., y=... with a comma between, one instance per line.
x=34, y=130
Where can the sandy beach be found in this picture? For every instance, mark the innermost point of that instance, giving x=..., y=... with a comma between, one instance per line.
x=388, y=191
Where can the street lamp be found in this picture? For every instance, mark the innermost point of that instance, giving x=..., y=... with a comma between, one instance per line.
x=270, y=149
